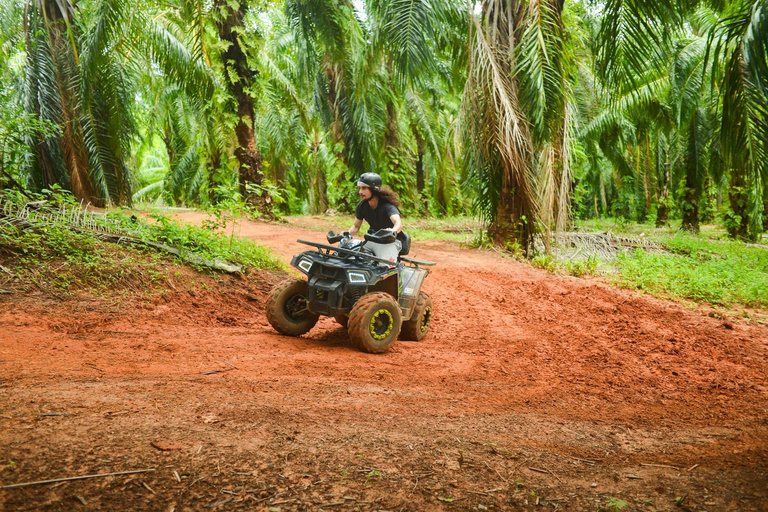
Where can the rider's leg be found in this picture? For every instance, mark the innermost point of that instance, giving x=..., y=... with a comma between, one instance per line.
x=385, y=251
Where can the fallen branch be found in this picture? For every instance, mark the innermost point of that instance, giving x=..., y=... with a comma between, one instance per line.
x=222, y=502
x=585, y=461
x=218, y=371
x=100, y=475
x=554, y=475
x=659, y=466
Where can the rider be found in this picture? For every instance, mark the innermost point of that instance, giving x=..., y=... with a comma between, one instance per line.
x=379, y=207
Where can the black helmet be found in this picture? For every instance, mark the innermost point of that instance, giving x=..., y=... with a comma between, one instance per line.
x=370, y=180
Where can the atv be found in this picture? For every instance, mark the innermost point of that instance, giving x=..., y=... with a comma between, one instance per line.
x=377, y=300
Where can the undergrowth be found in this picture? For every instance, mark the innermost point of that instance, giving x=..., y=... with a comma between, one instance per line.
x=206, y=241
x=56, y=257
x=723, y=273
x=61, y=257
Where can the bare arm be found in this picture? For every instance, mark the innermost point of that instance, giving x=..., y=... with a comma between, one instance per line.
x=398, y=224
x=356, y=226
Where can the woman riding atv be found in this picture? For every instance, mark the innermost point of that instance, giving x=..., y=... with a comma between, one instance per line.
x=379, y=207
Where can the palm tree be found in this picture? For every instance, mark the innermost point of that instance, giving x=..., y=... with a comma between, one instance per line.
x=329, y=49
x=239, y=79
x=635, y=35
x=519, y=117
x=83, y=80
x=423, y=49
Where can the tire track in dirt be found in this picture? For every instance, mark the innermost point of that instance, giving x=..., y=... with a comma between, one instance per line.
x=521, y=369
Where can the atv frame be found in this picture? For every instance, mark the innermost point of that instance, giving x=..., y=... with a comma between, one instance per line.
x=377, y=300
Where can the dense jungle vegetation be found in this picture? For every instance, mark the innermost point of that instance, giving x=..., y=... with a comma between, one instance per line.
x=530, y=115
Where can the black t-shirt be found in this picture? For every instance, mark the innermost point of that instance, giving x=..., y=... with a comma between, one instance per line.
x=378, y=218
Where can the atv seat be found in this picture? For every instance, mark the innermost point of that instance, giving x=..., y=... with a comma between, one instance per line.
x=405, y=241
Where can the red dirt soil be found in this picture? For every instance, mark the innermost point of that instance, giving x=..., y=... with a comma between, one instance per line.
x=531, y=391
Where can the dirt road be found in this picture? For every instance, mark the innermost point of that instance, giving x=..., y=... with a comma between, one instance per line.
x=531, y=392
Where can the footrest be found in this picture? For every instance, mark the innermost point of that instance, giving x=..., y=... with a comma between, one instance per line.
x=418, y=262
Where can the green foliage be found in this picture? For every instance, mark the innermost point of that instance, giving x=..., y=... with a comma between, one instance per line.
x=63, y=259
x=206, y=242
x=615, y=504
x=580, y=268
x=117, y=102
x=67, y=258
x=545, y=262
x=16, y=128
x=720, y=273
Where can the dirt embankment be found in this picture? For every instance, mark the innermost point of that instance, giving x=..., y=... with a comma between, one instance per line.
x=530, y=391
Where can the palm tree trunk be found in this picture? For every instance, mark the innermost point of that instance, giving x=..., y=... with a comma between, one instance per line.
x=65, y=161
x=501, y=133
x=690, y=211
x=240, y=78
x=662, y=213
x=737, y=218
x=422, y=198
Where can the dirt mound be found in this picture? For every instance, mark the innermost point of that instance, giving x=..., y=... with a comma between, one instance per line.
x=530, y=390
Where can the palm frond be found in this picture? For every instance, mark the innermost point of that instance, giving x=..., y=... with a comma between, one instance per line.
x=407, y=28
x=756, y=45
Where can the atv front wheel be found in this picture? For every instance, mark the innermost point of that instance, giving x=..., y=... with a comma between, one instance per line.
x=287, y=308
x=342, y=320
x=417, y=327
x=375, y=322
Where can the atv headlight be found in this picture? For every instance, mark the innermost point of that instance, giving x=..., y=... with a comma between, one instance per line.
x=305, y=264
x=356, y=277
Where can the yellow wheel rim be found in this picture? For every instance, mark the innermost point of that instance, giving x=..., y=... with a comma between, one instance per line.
x=425, y=319
x=381, y=324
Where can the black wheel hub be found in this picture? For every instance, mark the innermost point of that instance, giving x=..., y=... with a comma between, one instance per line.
x=296, y=306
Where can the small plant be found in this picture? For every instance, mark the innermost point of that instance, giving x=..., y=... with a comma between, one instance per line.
x=481, y=241
x=581, y=268
x=515, y=249
x=616, y=504
x=544, y=261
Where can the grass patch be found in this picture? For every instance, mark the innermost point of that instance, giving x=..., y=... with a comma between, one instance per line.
x=58, y=258
x=206, y=242
x=718, y=272
x=54, y=254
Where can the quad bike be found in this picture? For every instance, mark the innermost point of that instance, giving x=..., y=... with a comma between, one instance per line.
x=375, y=299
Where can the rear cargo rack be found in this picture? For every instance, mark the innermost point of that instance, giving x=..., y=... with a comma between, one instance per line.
x=418, y=262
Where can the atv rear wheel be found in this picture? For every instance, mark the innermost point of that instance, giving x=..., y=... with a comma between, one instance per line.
x=375, y=322
x=287, y=308
x=417, y=327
